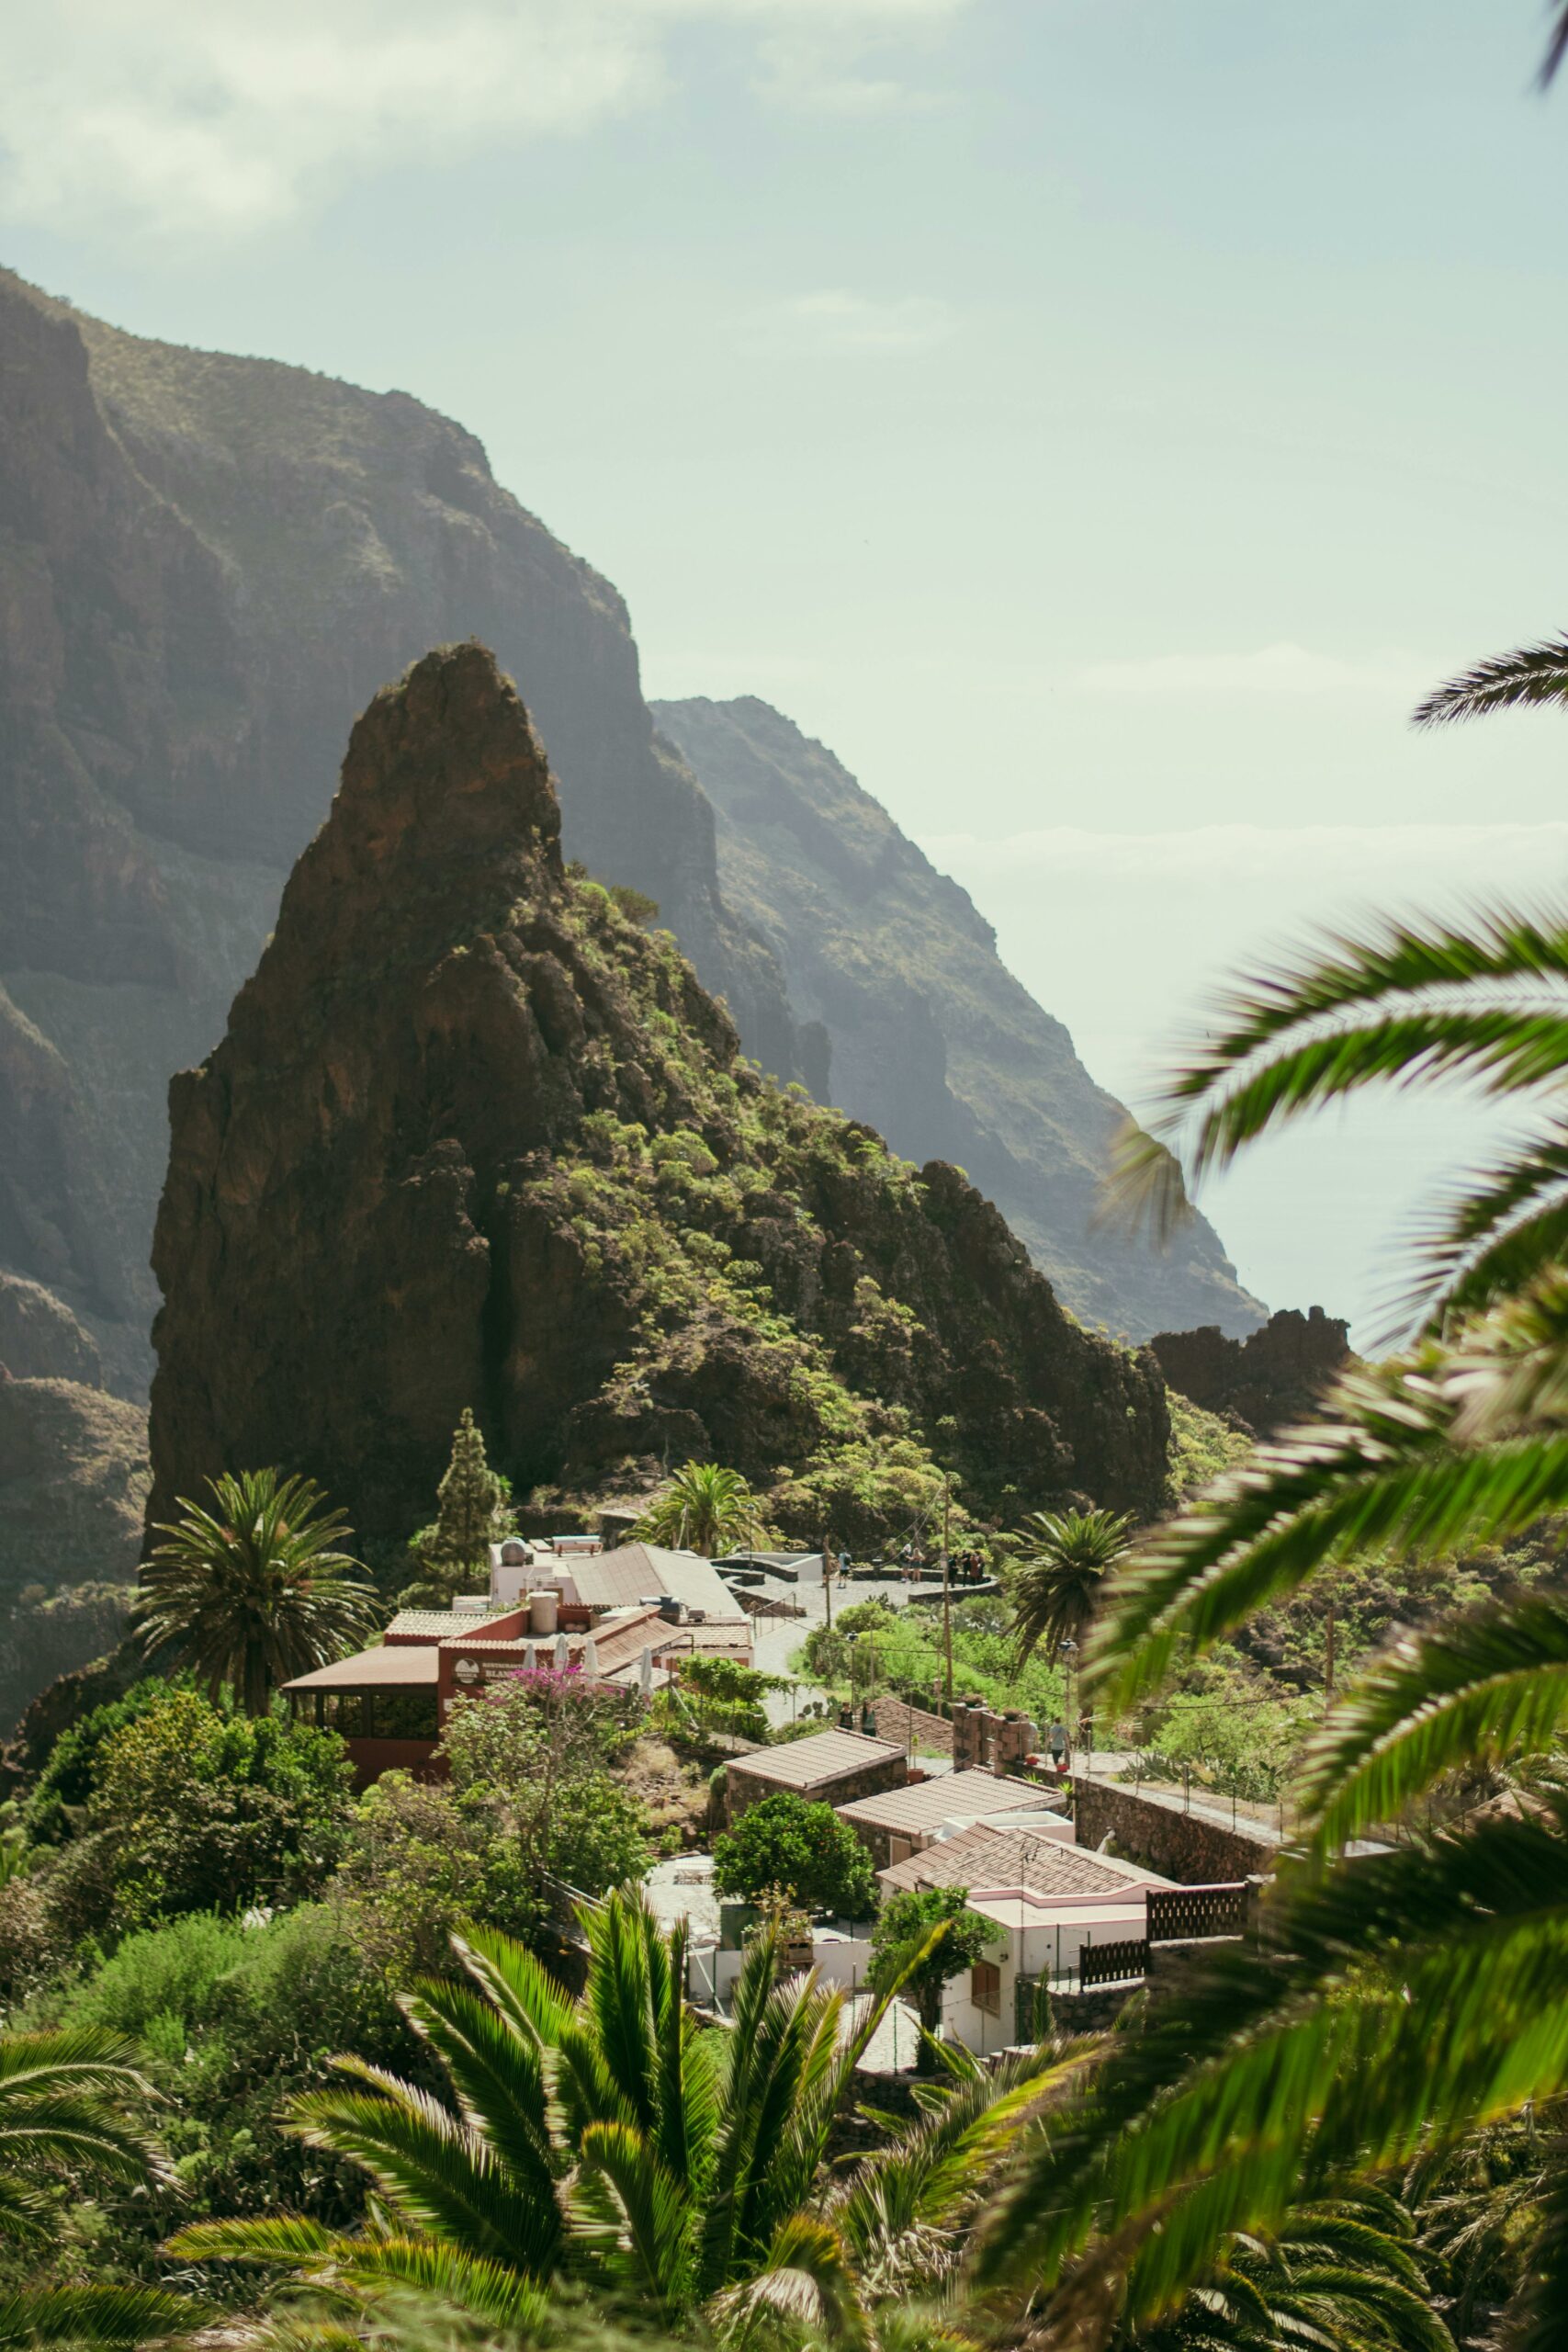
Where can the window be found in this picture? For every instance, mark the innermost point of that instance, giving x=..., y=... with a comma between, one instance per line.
x=403, y=1714
x=346, y=1712
x=985, y=1987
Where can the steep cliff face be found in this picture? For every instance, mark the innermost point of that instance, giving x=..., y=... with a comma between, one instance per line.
x=1272, y=1377
x=475, y=1137
x=933, y=1041
x=207, y=565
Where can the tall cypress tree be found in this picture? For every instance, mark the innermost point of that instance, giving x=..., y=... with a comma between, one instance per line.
x=471, y=1503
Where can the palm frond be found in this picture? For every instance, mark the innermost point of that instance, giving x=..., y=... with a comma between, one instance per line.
x=1530, y=673
x=807, y=2278
x=1381, y=1468
x=651, y=2206
x=431, y=2168
x=93, y=2316
x=1476, y=1688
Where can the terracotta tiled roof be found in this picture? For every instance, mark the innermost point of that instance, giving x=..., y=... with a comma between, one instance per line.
x=950, y=1796
x=375, y=1669
x=811, y=1763
x=985, y=1859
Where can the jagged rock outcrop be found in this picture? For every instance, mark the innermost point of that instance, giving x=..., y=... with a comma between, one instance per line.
x=475, y=1137
x=207, y=565
x=933, y=1041
x=1265, y=1381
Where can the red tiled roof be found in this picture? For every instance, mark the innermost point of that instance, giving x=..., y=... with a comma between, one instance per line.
x=376, y=1669
x=812, y=1763
x=986, y=1859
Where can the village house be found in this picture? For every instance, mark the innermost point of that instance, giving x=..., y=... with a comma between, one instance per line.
x=630, y=1629
x=1050, y=1904
x=828, y=1767
x=894, y=1823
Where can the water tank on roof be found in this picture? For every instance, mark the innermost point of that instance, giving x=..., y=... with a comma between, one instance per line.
x=543, y=1612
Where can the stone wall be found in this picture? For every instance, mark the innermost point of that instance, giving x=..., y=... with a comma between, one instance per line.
x=744, y=1788
x=913, y=1726
x=1191, y=1848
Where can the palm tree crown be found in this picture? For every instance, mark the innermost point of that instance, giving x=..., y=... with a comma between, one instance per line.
x=255, y=1590
x=706, y=1508
x=612, y=2137
x=64, y=2097
x=1055, y=1586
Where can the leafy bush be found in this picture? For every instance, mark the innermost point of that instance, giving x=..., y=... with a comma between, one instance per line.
x=64, y=1785
x=804, y=1853
x=165, y=1971
x=209, y=1813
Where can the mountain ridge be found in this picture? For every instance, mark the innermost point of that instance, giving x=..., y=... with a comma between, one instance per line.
x=935, y=1042
x=476, y=1137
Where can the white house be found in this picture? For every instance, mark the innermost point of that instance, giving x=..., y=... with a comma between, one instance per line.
x=1046, y=1900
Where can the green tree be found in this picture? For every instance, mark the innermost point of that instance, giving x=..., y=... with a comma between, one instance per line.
x=906, y=1929
x=611, y=2135
x=471, y=1512
x=1062, y=1555
x=803, y=1851
x=705, y=1509
x=200, y=1812
x=530, y=1798
x=255, y=1590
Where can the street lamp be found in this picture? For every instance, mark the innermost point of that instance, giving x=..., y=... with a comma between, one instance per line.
x=1068, y=1651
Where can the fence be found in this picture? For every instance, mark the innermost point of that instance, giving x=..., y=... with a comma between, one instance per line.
x=1183, y=1914
x=1112, y=1963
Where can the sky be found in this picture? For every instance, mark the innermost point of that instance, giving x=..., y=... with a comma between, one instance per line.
x=1097, y=420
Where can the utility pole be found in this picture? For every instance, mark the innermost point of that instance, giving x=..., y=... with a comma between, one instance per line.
x=946, y=1588
x=828, y=1576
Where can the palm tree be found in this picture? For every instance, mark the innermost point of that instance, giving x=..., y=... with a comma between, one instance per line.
x=255, y=1590
x=1339, y=2276
x=1055, y=1586
x=706, y=1508
x=1397, y=2002
x=62, y=2101
x=610, y=2137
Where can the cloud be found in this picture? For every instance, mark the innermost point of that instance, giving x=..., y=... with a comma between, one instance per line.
x=188, y=119
x=837, y=321
x=1272, y=670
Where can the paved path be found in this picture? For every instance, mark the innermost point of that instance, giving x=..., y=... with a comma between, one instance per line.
x=776, y=1639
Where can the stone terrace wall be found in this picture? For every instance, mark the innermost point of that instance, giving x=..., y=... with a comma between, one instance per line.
x=1191, y=1848
x=932, y=1733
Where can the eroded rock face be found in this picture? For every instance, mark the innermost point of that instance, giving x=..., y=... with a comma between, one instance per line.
x=1272, y=1377
x=475, y=1138
x=73, y=1486
x=207, y=565
x=41, y=1339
